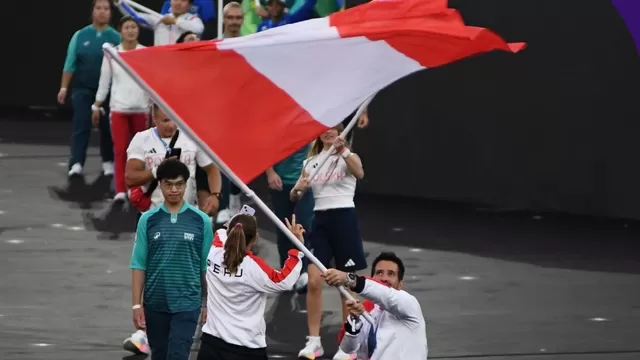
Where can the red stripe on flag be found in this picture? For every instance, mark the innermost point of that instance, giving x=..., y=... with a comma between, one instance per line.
x=250, y=122
x=424, y=30
x=227, y=103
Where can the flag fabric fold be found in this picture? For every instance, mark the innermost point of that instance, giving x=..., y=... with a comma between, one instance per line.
x=256, y=99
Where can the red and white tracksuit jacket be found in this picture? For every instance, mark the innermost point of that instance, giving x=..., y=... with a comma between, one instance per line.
x=237, y=301
x=399, y=324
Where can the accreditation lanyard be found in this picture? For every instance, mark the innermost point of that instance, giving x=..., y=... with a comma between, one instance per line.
x=166, y=146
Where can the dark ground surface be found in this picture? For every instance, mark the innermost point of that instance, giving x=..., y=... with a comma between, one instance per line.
x=493, y=284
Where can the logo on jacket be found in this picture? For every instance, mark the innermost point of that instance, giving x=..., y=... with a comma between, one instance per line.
x=156, y=236
x=189, y=236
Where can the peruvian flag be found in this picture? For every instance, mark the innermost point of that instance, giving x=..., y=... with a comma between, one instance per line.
x=255, y=100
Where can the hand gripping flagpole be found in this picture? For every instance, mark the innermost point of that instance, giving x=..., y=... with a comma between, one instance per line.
x=350, y=125
x=109, y=49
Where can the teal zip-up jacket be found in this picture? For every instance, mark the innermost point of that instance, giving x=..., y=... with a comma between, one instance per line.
x=84, y=55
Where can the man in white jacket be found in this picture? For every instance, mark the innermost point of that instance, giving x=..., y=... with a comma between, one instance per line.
x=168, y=28
x=399, y=330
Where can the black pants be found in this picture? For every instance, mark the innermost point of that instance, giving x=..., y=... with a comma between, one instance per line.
x=213, y=348
x=81, y=100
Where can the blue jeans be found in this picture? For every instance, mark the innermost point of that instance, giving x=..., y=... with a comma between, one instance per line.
x=171, y=335
x=285, y=208
x=81, y=101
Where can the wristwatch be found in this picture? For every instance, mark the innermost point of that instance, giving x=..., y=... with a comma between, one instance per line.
x=351, y=280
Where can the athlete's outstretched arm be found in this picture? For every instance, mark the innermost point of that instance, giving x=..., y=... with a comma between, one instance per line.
x=268, y=280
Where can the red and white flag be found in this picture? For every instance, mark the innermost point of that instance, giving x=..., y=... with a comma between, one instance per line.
x=255, y=100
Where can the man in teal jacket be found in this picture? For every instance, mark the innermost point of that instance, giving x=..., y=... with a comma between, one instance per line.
x=82, y=71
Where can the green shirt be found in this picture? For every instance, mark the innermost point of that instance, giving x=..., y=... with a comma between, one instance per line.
x=84, y=55
x=172, y=249
x=290, y=168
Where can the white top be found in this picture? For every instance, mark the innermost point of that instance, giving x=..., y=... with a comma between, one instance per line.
x=126, y=95
x=147, y=146
x=401, y=330
x=169, y=34
x=334, y=186
x=236, y=303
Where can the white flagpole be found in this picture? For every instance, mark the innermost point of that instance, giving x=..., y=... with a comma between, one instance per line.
x=350, y=125
x=220, y=17
x=223, y=167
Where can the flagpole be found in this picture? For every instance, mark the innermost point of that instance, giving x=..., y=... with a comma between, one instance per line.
x=350, y=125
x=108, y=48
x=220, y=5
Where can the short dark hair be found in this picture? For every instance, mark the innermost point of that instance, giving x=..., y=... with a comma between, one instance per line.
x=389, y=256
x=172, y=169
x=124, y=19
x=184, y=36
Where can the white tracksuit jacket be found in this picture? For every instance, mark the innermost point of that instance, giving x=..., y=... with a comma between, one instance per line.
x=401, y=330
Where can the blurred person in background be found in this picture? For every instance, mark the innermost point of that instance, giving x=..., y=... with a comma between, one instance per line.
x=278, y=17
x=129, y=103
x=188, y=36
x=335, y=233
x=168, y=28
x=205, y=9
x=253, y=16
x=232, y=20
x=282, y=177
x=82, y=66
x=231, y=199
x=149, y=148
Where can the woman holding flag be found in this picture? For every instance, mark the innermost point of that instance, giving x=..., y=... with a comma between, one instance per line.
x=335, y=233
x=278, y=17
x=238, y=284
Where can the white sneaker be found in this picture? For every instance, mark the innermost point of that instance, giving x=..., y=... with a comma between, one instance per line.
x=302, y=282
x=313, y=349
x=120, y=197
x=341, y=355
x=76, y=170
x=137, y=343
x=225, y=215
x=107, y=168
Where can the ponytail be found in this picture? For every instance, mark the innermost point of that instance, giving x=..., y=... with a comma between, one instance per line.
x=235, y=248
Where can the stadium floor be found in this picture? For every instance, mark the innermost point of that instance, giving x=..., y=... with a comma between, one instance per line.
x=494, y=285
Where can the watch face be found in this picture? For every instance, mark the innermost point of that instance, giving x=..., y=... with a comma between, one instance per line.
x=352, y=276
